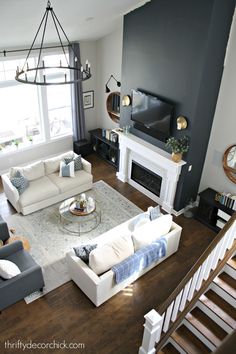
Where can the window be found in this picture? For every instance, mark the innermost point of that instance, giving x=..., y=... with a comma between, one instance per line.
x=31, y=114
x=59, y=110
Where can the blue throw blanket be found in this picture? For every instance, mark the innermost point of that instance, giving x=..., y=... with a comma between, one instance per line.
x=140, y=260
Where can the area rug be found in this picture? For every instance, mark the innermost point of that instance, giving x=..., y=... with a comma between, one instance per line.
x=50, y=242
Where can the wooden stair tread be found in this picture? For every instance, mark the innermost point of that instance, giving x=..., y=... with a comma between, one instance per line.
x=206, y=326
x=227, y=283
x=189, y=342
x=220, y=307
x=168, y=349
x=232, y=262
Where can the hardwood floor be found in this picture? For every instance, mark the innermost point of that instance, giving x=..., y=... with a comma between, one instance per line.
x=116, y=326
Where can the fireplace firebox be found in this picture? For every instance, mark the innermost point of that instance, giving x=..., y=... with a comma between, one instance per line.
x=146, y=178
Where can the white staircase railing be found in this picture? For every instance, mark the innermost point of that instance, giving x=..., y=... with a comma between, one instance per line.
x=159, y=325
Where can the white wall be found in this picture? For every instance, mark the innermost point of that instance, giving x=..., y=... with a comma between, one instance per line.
x=223, y=132
x=109, y=61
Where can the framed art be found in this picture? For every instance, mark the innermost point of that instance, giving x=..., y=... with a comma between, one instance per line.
x=88, y=99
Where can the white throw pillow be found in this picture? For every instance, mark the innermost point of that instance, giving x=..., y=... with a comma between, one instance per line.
x=138, y=221
x=106, y=256
x=146, y=234
x=52, y=165
x=8, y=269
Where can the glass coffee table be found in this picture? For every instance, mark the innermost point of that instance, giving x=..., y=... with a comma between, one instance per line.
x=77, y=221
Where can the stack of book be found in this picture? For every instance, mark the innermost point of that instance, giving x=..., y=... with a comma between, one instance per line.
x=110, y=135
x=222, y=218
x=226, y=199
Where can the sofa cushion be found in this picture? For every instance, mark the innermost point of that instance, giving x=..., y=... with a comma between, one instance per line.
x=107, y=255
x=52, y=165
x=149, y=232
x=8, y=269
x=66, y=184
x=38, y=190
x=31, y=172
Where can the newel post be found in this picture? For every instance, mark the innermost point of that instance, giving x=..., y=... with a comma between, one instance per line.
x=152, y=332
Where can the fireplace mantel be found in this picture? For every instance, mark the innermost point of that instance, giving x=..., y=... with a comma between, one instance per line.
x=133, y=148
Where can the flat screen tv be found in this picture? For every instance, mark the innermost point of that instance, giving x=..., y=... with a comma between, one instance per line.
x=151, y=115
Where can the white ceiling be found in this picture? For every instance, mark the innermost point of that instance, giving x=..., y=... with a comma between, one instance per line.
x=81, y=19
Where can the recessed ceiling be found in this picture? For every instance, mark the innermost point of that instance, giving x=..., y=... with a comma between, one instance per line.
x=81, y=19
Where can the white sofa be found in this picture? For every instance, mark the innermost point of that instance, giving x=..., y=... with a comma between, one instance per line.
x=45, y=185
x=100, y=288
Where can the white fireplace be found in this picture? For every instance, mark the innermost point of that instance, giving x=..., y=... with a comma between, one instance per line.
x=136, y=151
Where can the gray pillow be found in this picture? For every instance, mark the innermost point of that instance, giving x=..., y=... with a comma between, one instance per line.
x=155, y=213
x=77, y=160
x=19, y=182
x=83, y=252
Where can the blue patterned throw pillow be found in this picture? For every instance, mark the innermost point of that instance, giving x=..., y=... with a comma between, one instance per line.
x=84, y=251
x=77, y=160
x=154, y=213
x=19, y=182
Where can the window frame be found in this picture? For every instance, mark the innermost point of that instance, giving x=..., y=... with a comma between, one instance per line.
x=43, y=107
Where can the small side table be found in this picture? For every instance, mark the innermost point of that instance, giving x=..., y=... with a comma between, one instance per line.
x=24, y=240
x=82, y=147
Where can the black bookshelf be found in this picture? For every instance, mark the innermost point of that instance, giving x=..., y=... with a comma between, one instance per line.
x=104, y=148
x=207, y=211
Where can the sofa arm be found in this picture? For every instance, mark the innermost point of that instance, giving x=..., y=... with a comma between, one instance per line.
x=86, y=166
x=4, y=232
x=13, y=247
x=10, y=191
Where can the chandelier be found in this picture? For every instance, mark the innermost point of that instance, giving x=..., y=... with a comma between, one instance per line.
x=39, y=74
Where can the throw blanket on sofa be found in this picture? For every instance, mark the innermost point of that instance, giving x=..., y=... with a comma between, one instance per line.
x=140, y=260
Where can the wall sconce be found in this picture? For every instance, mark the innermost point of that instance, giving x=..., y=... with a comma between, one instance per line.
x=181, y=123
x=107, y=90
x=126, y=101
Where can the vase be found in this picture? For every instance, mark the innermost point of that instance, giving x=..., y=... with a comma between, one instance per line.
x=176, y=156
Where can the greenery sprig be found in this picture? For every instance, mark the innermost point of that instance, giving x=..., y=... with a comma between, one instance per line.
x=178, y=145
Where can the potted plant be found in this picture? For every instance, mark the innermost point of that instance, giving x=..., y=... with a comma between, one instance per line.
x=16, y=143
x=178, y=147
x=30, y=138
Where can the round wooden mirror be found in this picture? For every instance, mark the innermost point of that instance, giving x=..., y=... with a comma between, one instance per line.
x=113, y=106
x=229, y=163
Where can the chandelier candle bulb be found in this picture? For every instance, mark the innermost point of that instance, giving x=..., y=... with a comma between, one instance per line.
x=65, y=78
x=44, y=78
x=82, y=69
x=27, y=65
x=60, y=62
x=43, y=63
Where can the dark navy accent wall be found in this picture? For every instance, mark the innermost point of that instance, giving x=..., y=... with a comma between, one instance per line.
x=175, y=50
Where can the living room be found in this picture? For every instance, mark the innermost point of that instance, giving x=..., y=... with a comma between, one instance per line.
x=181, y=53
